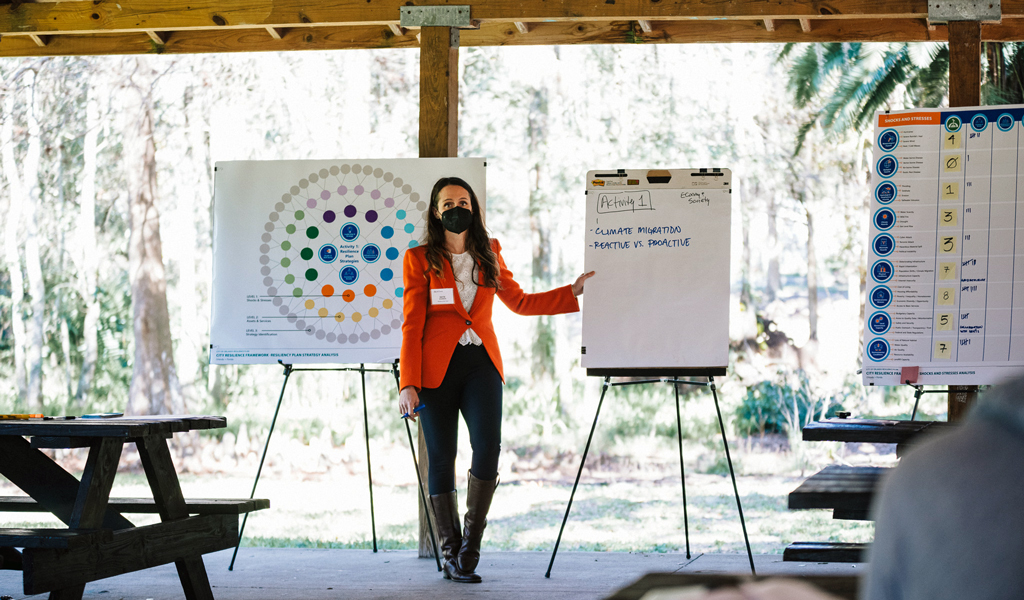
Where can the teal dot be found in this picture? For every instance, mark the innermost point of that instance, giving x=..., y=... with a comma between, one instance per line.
x=306, y=254
x=400, y=214
x=286, y=262
x=290, y=229
x=311, y=274
x=299, y=215
x=387, y=274
x=409, y=228
x=312, y=232
x=399, y=292
x=286, y=245
x=413, y=244
x=289, y=279
x=297, y=292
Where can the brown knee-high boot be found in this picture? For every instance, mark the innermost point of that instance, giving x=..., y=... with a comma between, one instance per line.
x=478, y=502
x=446, y=517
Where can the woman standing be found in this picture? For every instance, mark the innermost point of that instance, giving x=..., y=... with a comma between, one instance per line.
x=451, y=363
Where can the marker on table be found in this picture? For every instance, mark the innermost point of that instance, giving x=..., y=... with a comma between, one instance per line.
x=19, y=417
x=414, y=411
x=111, y=415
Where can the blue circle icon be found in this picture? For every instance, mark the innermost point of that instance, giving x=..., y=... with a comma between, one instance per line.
x=887, y=165
x=349, y=232
x=386, y=274
x=953, y=124
x=348, y=275
x=979, y=122
x=885, y=192
x=885, y=218
x=883, y=244
x=391, y=253
x=881, y=296
x=328, y=253
x=1005, y=122
x=370, y=253
x=888, y=140
x=387, y=232
x=882, y=271
x=879, y=323
x=878, y=350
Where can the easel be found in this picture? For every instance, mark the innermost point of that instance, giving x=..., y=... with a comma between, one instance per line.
x=664, y=376
x=362, y=370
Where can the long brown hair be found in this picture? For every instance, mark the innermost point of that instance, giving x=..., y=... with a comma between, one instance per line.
x=478, y=243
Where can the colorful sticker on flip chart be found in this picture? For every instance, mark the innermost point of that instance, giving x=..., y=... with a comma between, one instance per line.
x=887, y=166
x=943, y=350
x=947, y=244
x=328, y=253
x=951, y=163
x=951, y=190
x=1005, y=122
x=944, y=322
x=888, y=140
x=946, y=296
x=953, y=123
x=883, y=245
x=885, y=192
x=880, y=323
x=881, y=296
x=947, y=270
x=882, y=271
x=979, y=122
x=951, y=141
x=878, y=350
x=885, y=218
x=947, y=217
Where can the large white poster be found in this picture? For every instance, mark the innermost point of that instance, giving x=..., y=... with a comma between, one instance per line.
x=307, y=255
x=659, y=241
x=945, y=287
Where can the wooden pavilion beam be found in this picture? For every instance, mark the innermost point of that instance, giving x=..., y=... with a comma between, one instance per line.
x=111, y=16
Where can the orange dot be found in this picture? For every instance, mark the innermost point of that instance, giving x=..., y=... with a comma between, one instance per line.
x=327, y=291
x=323, y=312
x=370, y=290
x=348, y=295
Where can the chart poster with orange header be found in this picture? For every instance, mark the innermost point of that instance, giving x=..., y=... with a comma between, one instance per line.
x=945, y=284
x=307, y=255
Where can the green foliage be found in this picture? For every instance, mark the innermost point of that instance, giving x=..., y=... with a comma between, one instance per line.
x=782, y=405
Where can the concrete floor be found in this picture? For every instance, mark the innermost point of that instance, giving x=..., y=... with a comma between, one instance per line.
x=286, y=574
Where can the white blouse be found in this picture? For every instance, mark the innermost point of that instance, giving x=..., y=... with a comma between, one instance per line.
x=465, y=273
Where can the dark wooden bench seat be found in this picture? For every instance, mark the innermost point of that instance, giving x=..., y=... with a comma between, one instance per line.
x=825, y=552
x=59, y=539
x=847, y=490
x=872, y=431
x=199, y=506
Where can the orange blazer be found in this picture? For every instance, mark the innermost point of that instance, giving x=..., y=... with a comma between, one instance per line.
x=430, y=332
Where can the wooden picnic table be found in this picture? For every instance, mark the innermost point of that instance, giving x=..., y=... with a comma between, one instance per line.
x=99, y=542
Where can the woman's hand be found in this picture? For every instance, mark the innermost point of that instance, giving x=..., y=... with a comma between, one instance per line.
x=577, y=287
x=408, y=400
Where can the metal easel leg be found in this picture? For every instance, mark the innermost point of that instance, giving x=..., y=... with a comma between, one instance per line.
x=682, y=469
x=241, y=530
x=732, y=473
x=583, y=461
x=369, y=471
x=918, y=392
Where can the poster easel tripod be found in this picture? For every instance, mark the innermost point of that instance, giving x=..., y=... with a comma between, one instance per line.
x=672, y=378
x=362, y=370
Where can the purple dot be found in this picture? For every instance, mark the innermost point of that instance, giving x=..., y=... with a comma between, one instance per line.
x=342, y=190
x=329, y=216
x=389, y=202
x=311, y=203
x=375, y=194
x=371, y=216
x=350, y=211
x=358, y=190
x=325, y=194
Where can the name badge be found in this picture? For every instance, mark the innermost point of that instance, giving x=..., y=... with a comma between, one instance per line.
x=442, y=296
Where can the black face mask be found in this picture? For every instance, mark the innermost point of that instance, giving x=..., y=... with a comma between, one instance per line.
x=457, y=219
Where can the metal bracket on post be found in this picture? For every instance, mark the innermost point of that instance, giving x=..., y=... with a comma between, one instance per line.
x=435, y=16
x=942, y=11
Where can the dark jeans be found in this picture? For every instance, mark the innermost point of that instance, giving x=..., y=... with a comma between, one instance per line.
x=471, y=385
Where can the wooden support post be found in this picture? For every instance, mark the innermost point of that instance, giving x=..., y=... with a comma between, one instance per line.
x=769, y=25
x=964, y=90
x=439, y=138
x=805, y=25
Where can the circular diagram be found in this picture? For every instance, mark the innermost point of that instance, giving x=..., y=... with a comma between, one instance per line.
x=331, y=252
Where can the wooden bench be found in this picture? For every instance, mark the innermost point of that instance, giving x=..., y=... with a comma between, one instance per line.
x=846, y=490
x=872, y=431
x=825, y=552
x=843, y=586
x=200, y=506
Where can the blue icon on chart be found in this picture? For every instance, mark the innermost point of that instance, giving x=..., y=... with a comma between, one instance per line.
x=953, y=124
x=881, y=296
x=1005, y=122
x=879, y=323
x=328, y=253
x=888, y=140
x=883, y=245
x=349, y=232
x=370, y=253
x=885, y=218
x=348, y=275
x=887, y=165
x=878, y=350
x=882, y=271
x=885, y=192
x=979, y=122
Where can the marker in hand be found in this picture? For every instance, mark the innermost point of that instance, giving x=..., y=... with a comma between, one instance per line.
x=418, y=408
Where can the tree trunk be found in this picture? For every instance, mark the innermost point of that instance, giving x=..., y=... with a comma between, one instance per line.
x=774, y=283
x=812, y=277
x=87, y=252
x=154, y=387
x=33, y=262
x=12, y=256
